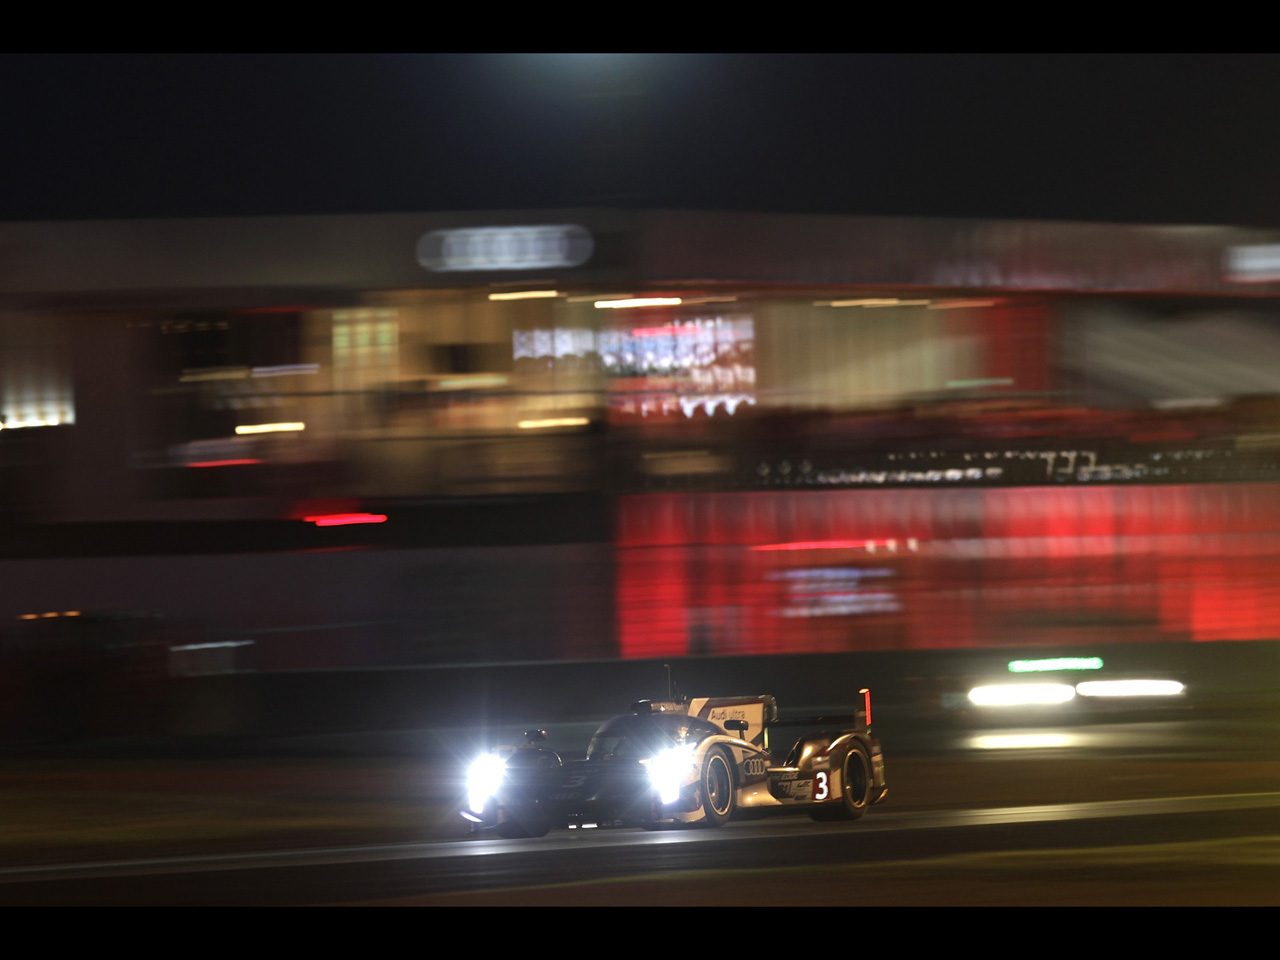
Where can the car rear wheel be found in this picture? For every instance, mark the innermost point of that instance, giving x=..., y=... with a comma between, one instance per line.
x=857, y=783
x=719, y=797
x=855, y=797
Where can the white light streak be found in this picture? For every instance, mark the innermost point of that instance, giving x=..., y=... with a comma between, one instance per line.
x=1022, y=741
x=553, y=422
x=526, y=295
x=253, y=428
x=1021, y=694
x=1130, y=688
x=638, y=302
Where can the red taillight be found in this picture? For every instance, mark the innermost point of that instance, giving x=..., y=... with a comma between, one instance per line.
x=866, y=704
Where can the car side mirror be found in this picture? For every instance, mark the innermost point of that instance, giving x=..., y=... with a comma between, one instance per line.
x=738, y=726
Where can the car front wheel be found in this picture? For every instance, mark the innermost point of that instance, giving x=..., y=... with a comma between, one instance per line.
x=526, y=820
x=719, y=797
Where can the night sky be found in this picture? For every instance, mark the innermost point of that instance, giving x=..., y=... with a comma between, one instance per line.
x=1142, y=138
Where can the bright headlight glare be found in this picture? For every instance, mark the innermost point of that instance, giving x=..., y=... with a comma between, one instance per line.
x=1021, y=694
x=669, y=770
x=484, y=777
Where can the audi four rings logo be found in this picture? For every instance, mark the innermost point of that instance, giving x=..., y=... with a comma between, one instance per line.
x=505, y=248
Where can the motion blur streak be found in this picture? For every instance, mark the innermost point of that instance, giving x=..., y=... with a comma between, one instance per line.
x=553, y=422
x=287, y=370
x=1130, y=688
x=1054, y=664
x=962, y=304
x=345, y=519
x=254, y=428
x=1023, y=741
x=235, y=462
x=1023, y=463
x=526, y=295
x=869, y=545
x=1021, y=694
x=891, y=302
x=19, y=424
x=638, y=302
x=205, y=376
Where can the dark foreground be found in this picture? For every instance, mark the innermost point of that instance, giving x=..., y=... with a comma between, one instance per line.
x=1085, y=825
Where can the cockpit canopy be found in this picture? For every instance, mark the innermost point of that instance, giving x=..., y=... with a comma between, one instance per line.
x=639, y=736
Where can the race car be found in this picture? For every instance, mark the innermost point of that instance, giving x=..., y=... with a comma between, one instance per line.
x=691, y=762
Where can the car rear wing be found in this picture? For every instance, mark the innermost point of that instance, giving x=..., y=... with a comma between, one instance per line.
x=859, y=721
x=743, y=717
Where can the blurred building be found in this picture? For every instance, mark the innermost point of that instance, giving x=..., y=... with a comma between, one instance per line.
x=610, y=433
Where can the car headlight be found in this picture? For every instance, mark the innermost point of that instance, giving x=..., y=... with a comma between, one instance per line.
x=669, y=770
x=484, y=777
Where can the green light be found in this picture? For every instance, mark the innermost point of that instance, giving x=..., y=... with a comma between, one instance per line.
x=1056, y=663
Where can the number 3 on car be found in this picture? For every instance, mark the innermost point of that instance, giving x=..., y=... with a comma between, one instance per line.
x=821, y=791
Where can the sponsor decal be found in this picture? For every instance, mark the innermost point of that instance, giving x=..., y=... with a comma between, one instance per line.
x=792, y=789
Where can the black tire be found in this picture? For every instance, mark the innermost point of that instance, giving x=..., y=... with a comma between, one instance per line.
x=526, y=822
x=719, y=794
x=856, y=792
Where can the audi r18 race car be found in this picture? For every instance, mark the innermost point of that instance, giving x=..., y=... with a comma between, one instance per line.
x=693, y=762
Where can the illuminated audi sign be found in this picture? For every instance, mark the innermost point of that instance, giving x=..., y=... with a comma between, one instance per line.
x=505, y=248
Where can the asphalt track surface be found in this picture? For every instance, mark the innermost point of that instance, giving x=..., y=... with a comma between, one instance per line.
x=1183, y=812
x=714, y=865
